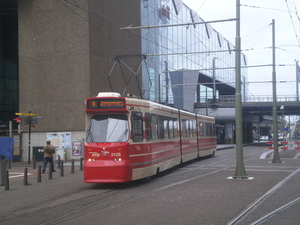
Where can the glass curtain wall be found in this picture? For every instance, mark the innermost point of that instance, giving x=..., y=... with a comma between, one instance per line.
x=9, y=91
x=185, y=47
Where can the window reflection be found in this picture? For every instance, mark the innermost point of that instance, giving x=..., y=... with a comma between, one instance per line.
x=107, y=128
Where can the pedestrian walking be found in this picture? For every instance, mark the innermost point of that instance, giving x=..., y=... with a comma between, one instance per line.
x=270, y=137
x=49, y=150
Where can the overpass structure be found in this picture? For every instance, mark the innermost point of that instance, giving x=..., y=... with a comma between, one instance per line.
x=257, y=111
x=259, y=105
x=257, y=114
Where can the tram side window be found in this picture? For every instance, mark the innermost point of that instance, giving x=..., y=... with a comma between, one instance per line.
x=194, y=128
x=171, y=128
x=160, y=127
x=208, y=129
x=137, y=126
x=188, y=128
x=191, y=131
x=175, y=124
x=202, y=129
x=166, y=127
x=154, y=126
x=212, y=129
x=184, y=128
x=148, y=126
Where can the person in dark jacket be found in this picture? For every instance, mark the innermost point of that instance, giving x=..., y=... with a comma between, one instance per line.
x=49, y=150
x=270, y=137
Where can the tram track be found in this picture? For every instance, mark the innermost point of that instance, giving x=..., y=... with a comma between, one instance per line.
x=263, y=198
x=47, y=205
x=96, y=203
x=101, y=205
x=278, y=210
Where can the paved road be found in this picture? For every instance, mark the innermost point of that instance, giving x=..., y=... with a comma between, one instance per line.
x=200, y=192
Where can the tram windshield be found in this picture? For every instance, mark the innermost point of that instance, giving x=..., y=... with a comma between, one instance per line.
x=108, y=128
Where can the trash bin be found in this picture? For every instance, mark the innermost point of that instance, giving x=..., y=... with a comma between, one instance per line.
x=3, y=167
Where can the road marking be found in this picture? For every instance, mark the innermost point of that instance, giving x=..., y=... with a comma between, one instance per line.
x=263, y=156
x=18, y=174
x=296, y=156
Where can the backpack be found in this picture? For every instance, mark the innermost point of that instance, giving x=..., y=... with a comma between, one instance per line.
x=49, y=149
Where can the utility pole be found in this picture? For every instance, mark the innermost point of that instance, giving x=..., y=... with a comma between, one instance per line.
x=214, y=80
x=276, y=158
x=240, y=172
x=29, y=137
x=167, y=82
x=297, y=80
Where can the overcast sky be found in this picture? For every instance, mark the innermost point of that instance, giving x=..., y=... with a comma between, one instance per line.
x=256, y=34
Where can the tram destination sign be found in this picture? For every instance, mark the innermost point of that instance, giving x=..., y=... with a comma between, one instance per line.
x=109, y=103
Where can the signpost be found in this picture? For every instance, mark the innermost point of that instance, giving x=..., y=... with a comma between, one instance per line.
x=28, y=118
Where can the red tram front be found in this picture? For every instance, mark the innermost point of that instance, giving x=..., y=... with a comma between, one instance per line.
x=107, y=135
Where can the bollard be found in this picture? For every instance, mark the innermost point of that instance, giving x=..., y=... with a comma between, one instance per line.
x=62, y=169
x=72, y=167
x=58, y=162
x=9, y=163
x=7, y=181
x=25, y=181
x=81, y=160
x=34, y=163
x=39, y=177
x=50, y=171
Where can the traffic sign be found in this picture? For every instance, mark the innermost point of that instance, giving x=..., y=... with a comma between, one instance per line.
x=18, y=120
x=27, y=114
x=25, y=121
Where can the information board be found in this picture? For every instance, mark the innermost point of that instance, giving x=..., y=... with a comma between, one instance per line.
x=60, y=140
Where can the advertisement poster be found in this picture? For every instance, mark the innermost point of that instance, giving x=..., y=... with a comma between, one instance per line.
x=60, y=140
x=228, y=134
x=76, y=148
x=228, y=131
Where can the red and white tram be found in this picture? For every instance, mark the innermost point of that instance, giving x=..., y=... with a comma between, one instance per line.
x=129, y=138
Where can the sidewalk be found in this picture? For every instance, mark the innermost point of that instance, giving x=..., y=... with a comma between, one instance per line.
x=17, y=173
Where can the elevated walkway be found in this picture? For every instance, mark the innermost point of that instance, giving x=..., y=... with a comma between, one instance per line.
x=262, y=105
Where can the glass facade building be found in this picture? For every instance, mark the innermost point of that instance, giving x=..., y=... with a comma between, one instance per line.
x=173, y=43
x=9, y=90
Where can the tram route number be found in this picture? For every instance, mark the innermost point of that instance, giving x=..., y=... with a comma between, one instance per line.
x=115, y=154
x=112, y=154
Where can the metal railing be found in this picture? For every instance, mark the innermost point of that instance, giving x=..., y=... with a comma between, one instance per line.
x=269, y=98
x=253, y=98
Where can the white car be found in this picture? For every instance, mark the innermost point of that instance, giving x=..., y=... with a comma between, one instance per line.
x=280, y=137
x=264, y=138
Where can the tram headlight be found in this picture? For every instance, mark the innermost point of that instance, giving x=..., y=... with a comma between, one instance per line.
x=117, y=159
x=91, y=160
